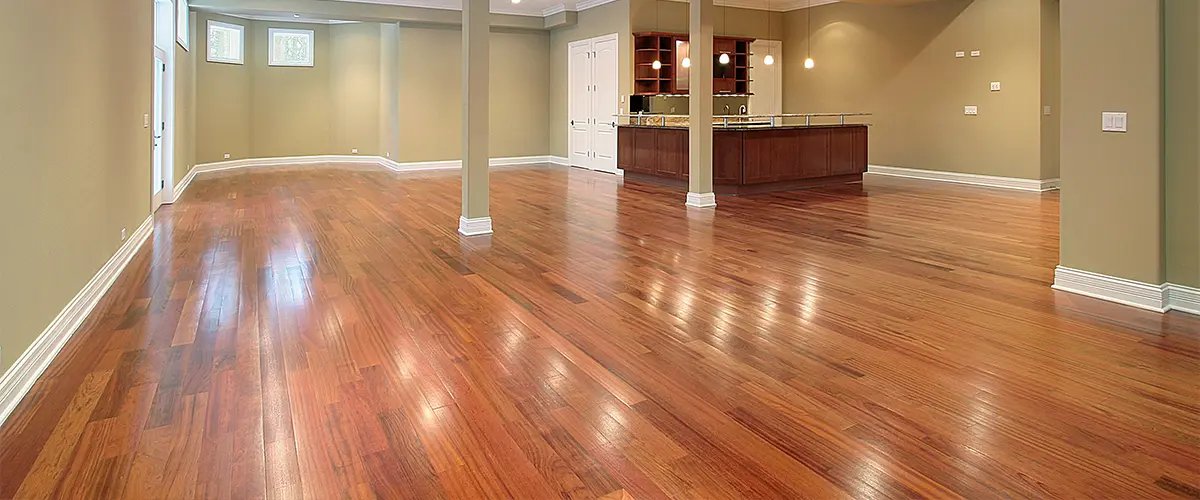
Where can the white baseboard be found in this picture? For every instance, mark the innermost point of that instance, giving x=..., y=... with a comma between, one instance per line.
x=370, y=160
x=457, y=164
x=701, y=200
x=1183, y=298
x=560, y=160
x=20, y=377
x=474, y=227
x=1158, y=298
x=961, y=178
x=1110, y=288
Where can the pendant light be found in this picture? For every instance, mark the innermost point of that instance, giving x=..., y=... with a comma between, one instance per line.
x=808, y=61
x=657, y=64
x=769, y=59
x=725, y=28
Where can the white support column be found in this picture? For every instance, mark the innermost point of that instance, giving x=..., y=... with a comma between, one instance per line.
x=476, y=219
x=700, y=128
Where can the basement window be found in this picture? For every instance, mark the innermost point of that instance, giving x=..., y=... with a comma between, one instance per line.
x=291, y=47
x=225, y=43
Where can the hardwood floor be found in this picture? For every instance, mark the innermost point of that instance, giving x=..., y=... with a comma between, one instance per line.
x=322, y=332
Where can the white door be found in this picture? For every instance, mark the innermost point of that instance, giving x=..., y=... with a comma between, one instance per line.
x=604, y=104
x=579, y=91
x=158, y=128
x=766, y=82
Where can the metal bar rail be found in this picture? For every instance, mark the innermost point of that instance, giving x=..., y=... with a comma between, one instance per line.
x=773, y=120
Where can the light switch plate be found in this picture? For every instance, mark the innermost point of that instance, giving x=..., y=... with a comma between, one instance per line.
x=1114, y=122
x=960, y=54
x=971, y=110
x=1046, y=110
x=145, y=121
x=995, y=86
x=975, y=53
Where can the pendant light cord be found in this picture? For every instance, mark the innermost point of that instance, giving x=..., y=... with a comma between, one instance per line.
x=808, y=17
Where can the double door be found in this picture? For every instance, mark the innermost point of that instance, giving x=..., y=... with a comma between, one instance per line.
x=593, y=102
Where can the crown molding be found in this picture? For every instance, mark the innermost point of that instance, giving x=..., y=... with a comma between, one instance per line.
x=287, y=19
x=453, y=5
x=790, y=5
x=775, y=5
x=514, y=10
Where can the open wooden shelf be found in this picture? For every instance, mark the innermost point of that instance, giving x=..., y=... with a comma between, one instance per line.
x=660, y=46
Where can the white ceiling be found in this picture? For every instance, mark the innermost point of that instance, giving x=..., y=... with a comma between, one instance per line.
x=541, y=8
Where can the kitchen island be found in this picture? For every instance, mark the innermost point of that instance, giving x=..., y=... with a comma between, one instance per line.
x=747, y=159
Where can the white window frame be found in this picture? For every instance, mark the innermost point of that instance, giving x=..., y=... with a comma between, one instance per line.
x=312, y=47
x=241, y=58
x=183, y=24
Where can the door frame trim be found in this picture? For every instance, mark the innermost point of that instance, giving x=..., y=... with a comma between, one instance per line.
x=167, y=195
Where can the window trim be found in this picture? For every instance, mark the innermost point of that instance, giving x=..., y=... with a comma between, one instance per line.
x=183, y=24
x=312, y=47
x=241, y=59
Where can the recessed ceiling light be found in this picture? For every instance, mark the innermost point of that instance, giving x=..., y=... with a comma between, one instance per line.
x=516, y=1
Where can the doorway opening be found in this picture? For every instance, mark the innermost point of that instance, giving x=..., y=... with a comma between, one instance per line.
x=161, y=122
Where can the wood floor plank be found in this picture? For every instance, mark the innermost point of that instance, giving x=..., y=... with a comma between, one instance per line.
x=323, y=332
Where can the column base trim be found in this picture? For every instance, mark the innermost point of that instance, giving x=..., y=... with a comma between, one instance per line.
x=1157, y=298
x=474, y=227
x=701, y=200
x=1110, y=288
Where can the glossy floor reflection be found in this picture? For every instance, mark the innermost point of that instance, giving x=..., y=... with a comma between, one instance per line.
x=322, y=332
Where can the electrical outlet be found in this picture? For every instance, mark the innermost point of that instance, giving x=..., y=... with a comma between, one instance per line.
x=995, y=86
x=354, y=151
x=975, y=53
x=960, y=54
x=226, y=156
x=971, y=110
x=1114, y=122
x=387, y=155
x=123, y=234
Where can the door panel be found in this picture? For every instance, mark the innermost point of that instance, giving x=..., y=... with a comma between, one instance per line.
x=579, y=113
x=604, y=104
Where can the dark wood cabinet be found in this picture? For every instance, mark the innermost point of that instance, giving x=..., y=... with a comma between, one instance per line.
x=748, y=161
x=625, y=153
x=670, y=49
x=727, y=157
x=673, y=148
